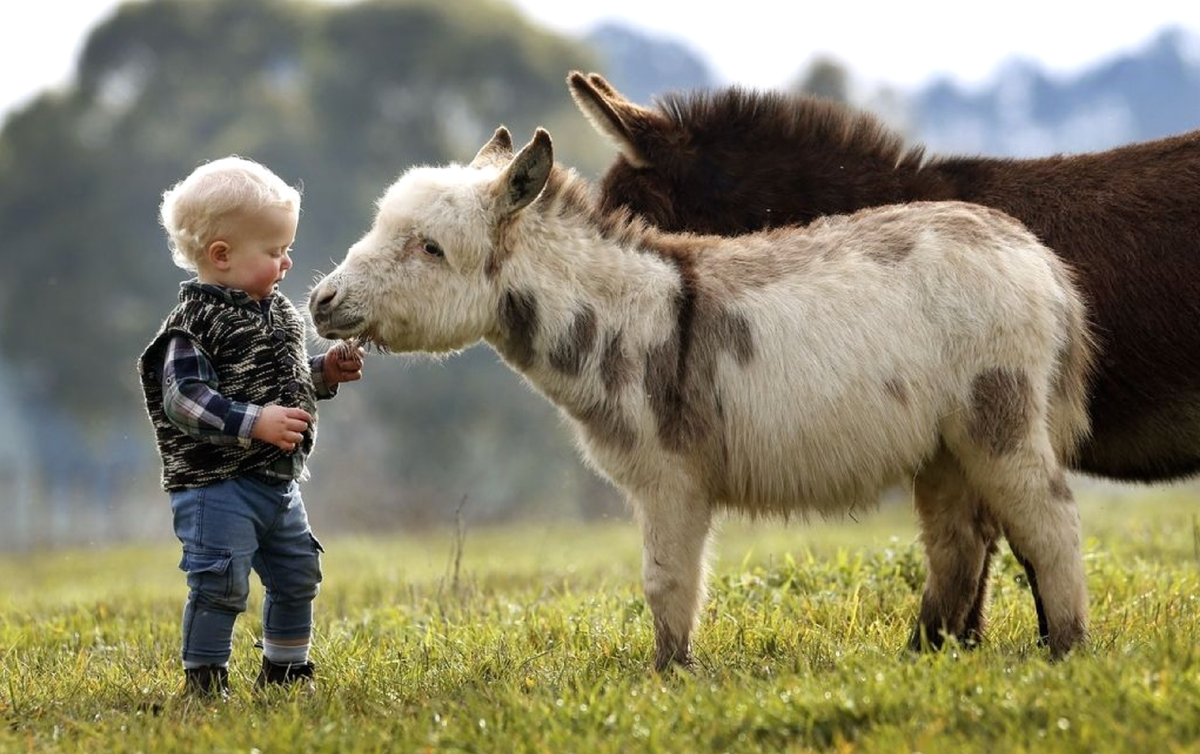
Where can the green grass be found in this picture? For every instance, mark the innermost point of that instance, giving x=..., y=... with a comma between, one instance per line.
x=544, y=645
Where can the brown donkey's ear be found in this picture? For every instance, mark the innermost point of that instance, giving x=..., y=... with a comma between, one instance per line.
x=498, y=151
x=625, y=108
x=605, y=88
x=525, y=177
x=610, y=113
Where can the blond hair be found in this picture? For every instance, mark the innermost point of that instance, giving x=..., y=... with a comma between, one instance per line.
x=194, y=211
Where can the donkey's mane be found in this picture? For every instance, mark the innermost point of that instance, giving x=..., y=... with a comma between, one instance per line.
x=738, y=115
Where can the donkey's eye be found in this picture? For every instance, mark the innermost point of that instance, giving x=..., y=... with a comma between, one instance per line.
x=432, y=249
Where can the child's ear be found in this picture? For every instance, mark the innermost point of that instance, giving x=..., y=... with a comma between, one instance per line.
x=218, y=255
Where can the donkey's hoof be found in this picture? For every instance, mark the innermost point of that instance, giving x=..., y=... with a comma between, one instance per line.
x=681, y=660
x=925, y=640
x=1067, y=638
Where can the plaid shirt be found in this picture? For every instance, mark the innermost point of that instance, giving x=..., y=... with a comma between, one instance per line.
x=193, y=401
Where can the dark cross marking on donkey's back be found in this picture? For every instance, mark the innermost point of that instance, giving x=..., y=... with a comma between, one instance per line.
x=680, y=376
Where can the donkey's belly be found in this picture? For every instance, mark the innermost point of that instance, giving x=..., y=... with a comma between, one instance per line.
x=823, y=460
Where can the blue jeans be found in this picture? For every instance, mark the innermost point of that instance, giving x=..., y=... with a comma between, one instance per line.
x=228, y=528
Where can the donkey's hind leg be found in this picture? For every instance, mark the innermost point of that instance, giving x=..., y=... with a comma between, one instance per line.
x=1025, y=491
x=959, y=538
x=976, y=622
x=1031, y=579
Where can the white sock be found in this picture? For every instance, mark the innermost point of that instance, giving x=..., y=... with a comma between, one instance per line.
x=285, y=655
x=193, y=664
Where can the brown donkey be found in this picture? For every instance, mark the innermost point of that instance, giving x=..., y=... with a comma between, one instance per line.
x=1127, y=220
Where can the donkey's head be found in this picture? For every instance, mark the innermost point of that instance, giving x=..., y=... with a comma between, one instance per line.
x=736, y=160
x=422, y=278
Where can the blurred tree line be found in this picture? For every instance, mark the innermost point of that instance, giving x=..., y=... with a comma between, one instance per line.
x=338, y=99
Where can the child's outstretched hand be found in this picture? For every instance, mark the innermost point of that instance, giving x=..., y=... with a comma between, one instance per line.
x=281, y=426
x=343, y=363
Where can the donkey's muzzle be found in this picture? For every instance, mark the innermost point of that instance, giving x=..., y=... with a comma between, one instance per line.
x=329, y=321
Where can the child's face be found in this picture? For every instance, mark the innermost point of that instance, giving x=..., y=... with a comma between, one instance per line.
x=258, y=253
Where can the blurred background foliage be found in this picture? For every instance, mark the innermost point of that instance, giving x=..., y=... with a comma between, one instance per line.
x=340, y=99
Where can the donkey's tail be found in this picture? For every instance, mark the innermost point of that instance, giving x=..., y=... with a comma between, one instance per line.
x=1070, y=423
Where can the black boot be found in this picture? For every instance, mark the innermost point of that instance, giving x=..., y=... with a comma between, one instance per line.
x=207, y=681
x=285, y=674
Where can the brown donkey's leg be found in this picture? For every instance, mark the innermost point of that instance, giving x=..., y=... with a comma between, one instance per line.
x=956, y=551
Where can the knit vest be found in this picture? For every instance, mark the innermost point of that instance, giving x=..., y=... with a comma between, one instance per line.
x=255, y=362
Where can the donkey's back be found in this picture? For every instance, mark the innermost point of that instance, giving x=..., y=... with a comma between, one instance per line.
x=873, y=337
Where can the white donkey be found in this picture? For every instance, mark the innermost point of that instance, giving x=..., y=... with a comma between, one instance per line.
x=787, y=371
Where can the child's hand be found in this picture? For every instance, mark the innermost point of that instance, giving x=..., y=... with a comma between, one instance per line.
x=281, y=426
x=343, y=363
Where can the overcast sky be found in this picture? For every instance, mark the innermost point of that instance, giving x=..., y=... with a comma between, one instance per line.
x=762, y=43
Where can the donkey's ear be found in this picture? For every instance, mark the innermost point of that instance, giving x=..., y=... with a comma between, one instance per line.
x=498, y=151
x=605, y=88
x=526, y=176
x=611, y=114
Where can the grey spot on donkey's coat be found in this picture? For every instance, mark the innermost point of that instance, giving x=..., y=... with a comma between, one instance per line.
x=519, y=318
x=893, y=252
x=897, y=388
x=606, y=424
x=616, y=368
x=732, y=331
x=572, y=349
x=500, y=248
x=1059, y=489
x=1000, y=409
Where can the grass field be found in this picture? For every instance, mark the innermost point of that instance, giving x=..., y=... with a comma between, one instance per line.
x=543, y=644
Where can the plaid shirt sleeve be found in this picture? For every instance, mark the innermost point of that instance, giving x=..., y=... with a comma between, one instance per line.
x=193, y=403
x=324, y=390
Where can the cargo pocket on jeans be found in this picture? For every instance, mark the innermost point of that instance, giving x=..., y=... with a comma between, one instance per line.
x=207, y=570
x=317, y=550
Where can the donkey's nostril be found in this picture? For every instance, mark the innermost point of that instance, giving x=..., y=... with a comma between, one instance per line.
x=323, y=297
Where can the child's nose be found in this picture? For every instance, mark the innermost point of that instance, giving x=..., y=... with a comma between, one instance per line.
x=287, y=262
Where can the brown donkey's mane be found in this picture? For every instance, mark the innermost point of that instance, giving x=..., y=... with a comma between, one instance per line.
x=770, y=116
x=827, y=151
x=1128, y=220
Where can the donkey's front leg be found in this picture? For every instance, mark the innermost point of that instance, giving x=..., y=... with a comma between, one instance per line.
x=674, y=571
